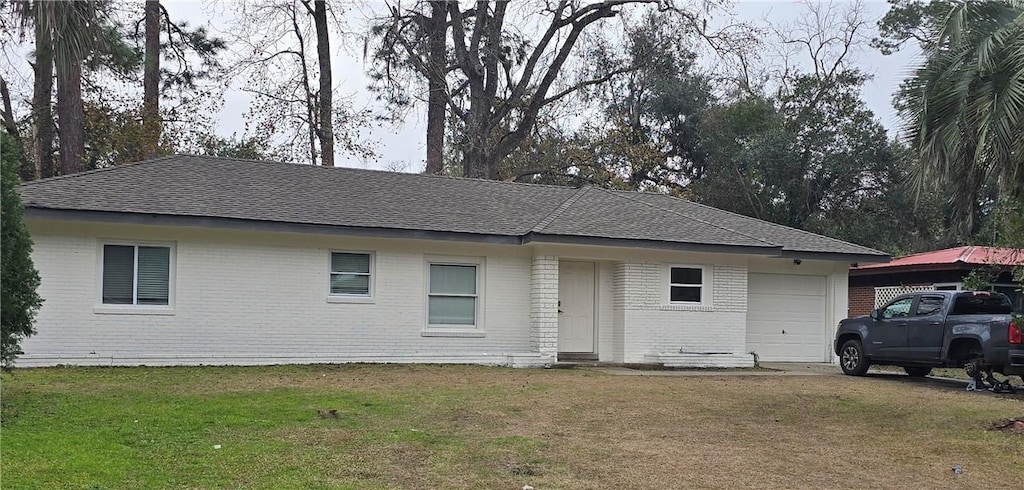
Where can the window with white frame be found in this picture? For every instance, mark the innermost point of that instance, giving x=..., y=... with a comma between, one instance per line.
x=452, y=295
x=136, y=275
x=350, y=274
x=686, y=284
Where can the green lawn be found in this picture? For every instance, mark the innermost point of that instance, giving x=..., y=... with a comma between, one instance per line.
x=477, y=427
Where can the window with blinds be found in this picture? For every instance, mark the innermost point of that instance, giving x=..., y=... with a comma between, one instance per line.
x=350, y=274
x=136, y=275
x=452, y=297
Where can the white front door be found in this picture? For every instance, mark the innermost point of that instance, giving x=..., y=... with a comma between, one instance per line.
x=576, y=307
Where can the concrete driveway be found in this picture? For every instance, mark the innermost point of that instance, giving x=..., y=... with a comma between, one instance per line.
x=886, y=375
x=769, y=369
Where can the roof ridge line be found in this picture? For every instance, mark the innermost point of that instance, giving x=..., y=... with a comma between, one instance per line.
x=374, y=170
x=624, y=195
x=966, y=254
x=97, y=170
x=545, y=221
x=758, y=219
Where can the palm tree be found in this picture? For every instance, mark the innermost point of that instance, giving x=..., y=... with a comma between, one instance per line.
x=29, y=13
x=76, y=33
x=966, y=104
x=66, y=32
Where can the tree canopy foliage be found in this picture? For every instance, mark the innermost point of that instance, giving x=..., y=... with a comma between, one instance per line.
x=655, y=96
x=965, y=104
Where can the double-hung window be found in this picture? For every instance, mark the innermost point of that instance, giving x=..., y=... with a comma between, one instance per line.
x=136, y=275
x=453, y=295
x=350, y=274
x=686, y=284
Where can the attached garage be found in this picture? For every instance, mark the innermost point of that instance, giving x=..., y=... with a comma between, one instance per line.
x=787, y=317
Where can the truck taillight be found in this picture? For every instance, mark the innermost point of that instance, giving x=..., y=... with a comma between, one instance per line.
x=1015, y=336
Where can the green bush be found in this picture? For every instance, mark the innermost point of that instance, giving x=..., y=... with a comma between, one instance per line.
x=19, y=278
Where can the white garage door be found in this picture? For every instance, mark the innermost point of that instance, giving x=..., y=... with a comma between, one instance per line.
x=786, y=317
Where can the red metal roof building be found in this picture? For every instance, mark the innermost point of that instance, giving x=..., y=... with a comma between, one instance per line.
x=871, y=285
x=942, y=259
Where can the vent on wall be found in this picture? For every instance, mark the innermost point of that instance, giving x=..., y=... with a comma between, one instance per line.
x=886, y=294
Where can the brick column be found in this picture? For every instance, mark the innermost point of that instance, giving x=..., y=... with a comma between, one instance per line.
x=544, y=305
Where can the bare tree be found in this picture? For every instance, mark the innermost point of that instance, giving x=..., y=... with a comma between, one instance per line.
x=191, y=56
x=325, y=101
x=436, y=104
x=411, y=48
x=294, y=101
x=498, y=76
x=820, y=42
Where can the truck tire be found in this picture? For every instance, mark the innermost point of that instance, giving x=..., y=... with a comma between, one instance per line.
x=917, y=371
x=852, y=360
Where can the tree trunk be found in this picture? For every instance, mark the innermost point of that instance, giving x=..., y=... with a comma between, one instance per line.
x=42, y=93
x=473, y=164
x=9, y=125
x=26, y=169
x=473, y=156
x=326, y=109
x=70, y=112
x=437, y=99
x=151, y=81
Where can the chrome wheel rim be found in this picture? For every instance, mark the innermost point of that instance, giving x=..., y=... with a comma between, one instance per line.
x=850, y=358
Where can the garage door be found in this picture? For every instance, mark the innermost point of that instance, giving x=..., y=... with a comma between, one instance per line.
x=786, y=317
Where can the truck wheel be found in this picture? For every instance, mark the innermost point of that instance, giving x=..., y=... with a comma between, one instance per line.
x=852, y=360
x=917, y=372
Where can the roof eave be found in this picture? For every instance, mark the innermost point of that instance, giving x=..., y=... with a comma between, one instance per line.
x=902, y=269
x=532, y=237
x=239, y=224
x=853, y=258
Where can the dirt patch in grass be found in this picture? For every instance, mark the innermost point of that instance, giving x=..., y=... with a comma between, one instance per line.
x=1012, y=426
x=477, y=427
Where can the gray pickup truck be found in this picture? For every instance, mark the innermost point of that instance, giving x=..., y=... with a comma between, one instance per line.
x=921, y=331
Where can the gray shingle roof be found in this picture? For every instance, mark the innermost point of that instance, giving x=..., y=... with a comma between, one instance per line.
x=271, y=192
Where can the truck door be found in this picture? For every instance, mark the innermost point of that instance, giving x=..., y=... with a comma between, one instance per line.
x=889, y=333
x=925, y=328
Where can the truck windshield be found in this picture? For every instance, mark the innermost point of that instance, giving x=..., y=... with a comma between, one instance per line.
x=982, y=304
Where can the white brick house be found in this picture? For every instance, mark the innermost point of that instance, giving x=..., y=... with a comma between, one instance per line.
x=196, y=260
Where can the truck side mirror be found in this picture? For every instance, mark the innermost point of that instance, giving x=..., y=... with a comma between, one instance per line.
x=875, y=314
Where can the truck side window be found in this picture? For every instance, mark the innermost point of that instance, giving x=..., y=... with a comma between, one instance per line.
x=898, y=308
x=982, y=304
x=929, y=305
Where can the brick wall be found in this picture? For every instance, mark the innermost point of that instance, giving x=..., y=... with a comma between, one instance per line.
x=259, y=298
x=652, y=326
x=862, y=300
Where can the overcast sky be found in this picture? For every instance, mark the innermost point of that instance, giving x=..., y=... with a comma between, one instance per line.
x=402, y=147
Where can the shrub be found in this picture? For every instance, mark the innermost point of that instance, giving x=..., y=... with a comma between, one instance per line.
x=19, y=278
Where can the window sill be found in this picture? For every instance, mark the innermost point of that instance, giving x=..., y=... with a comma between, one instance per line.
x=350, y=299
x=452, y=332
x=133, y=310
x=687, y=307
